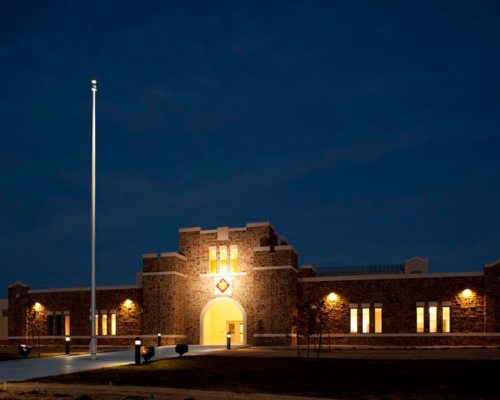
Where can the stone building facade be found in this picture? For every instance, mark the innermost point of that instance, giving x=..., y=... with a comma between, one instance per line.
x=246, y=281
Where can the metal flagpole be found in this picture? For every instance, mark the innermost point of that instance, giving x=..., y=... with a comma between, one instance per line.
x=93, y=338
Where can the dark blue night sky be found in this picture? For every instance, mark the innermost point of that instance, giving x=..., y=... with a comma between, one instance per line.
x=366, y=132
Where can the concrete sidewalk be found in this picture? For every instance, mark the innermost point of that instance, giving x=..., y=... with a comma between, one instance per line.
x=20, y=370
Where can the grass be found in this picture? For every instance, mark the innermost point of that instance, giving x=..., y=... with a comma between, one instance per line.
x=339, y=378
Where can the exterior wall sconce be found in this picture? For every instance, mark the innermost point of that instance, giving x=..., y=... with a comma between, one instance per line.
x=159, y=339
x=229, y=340
x=332, y=297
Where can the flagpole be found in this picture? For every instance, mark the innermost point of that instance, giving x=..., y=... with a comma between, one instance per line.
x=93, y=338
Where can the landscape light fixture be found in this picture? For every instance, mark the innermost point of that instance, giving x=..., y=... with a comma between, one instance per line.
x=67, y=341
x=138, y=343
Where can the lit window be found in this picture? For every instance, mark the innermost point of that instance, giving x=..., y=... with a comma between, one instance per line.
x=354, y=320
x=233, y=257
x=433, y=319
x=366, y=320
x=67, y=321
x=420, y=320
x=97, y=324
x=223, y=259
x=212, y=259
x=378, y=320
x=104, y=323
x=113, y=323
x=446, y=319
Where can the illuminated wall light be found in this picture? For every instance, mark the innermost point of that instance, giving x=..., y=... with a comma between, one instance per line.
x=332, y=297
x=128, y=303
x=37, y=306
x=467, y=293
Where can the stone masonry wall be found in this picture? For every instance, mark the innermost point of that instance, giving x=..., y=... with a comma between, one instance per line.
x=399, y=297
x=77, y=303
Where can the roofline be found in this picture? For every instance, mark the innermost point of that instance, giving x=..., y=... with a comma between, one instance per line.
x=492, y=264
x=84, y=289
x=241, y=228
x=375, y=277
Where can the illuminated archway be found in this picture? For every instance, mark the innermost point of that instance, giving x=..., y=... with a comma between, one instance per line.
x=218, y=317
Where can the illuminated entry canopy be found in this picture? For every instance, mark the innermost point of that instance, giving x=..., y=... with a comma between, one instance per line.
x=223, y=285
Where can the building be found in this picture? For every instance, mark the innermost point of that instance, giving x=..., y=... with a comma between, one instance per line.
x=247, y=281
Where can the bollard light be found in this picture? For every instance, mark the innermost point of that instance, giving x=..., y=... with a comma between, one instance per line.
x=159, y=339
x=138, y=350
x=67, y=341
x=229, y=340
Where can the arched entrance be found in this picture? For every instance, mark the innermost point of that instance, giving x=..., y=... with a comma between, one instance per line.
x=220, y=316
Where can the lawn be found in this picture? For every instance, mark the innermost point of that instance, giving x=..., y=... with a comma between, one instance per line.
x=338, y=378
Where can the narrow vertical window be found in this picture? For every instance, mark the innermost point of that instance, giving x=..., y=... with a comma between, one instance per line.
x=233, y=257
x=212, y=259
x=354, y=320
x=223, y=259
x=50, y=325
x=433, y=319
x=420, y=320
x=113, y=323
x=446, y=319
x=366, y=320
x=58, y=324
x=104, y=324
x=378, y=320
x=97, y=324
x=67, y=326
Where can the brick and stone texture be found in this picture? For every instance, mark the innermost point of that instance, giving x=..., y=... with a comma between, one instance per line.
x=76, y=303
x=266, y=295
x=176, y=287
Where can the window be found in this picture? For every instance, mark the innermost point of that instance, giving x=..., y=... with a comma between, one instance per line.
x=233, y=257
x=113, y=323
x=97, y=324
x=104, y=324
x=432, y=319
x=420, y=320
x=50, y=325
x=366, y=320
x=378, y=320
x=446, y=319
x=354, y=320
x=67, y=330
x=223, y=259
x=58, y=324
x=212, y=259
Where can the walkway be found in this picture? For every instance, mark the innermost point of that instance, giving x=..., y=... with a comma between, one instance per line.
x=20, y=370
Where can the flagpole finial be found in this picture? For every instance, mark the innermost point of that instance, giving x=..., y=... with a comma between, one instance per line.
x=94, y=84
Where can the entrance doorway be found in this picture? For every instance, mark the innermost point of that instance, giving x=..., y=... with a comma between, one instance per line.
x=220, y=316
x=237, y=331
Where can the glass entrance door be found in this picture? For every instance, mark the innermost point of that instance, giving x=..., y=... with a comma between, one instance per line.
x=236, y=329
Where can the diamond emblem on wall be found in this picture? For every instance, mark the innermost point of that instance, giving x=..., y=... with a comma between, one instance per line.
x=222, y=285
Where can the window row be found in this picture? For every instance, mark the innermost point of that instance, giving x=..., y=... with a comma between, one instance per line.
x=105, y=323
x=223, y=259
x=55, y=321
x=364, y=311
x=432, y=315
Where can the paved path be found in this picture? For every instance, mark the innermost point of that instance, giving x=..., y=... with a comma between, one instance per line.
x=19, y=370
